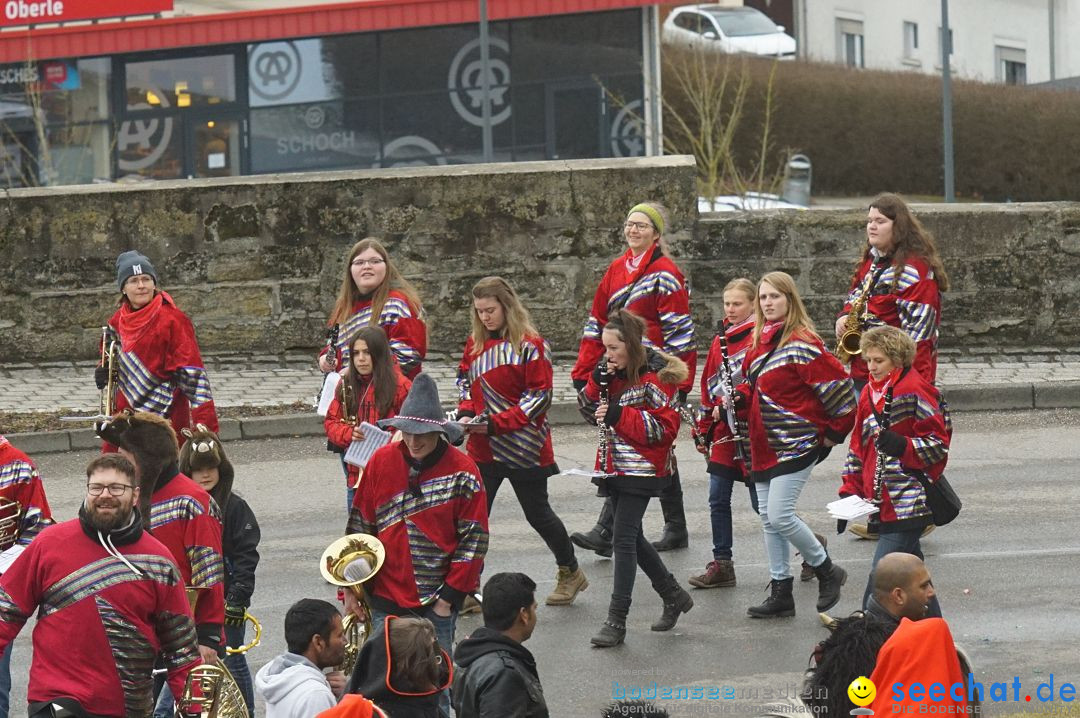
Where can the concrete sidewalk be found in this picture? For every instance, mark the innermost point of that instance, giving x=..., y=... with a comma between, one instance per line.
x=1024, y=378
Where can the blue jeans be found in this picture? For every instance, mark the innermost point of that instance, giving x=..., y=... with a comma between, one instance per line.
x=349, y=490
x=899, y=542
x=720, y=489
x=444, y=634
x=5, y=682
x=776, y=501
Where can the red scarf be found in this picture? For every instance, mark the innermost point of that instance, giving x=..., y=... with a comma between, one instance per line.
x=633, y=264
x=134, y=322
x=878, y=388
x=733, y=329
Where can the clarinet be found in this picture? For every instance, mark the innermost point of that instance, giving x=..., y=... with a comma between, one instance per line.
x=601, y=426
x=879, y=465
x=728, y=382
x=331, y=351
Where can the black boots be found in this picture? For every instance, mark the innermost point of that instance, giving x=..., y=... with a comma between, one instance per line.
x=598, y=539
x=830, y=578
x=613, y=631
x=671, y=503
x=676, y=602
x=780, y=603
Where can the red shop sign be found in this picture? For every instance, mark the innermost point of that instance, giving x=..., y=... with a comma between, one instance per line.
x=36, y=12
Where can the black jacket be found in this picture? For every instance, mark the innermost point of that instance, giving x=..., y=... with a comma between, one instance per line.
x=495, y=677
x=240, y=547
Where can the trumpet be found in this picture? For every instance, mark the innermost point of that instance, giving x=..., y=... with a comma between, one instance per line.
x=350, y=562
x=110, y=354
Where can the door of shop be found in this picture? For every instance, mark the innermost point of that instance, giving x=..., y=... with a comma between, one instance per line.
x=575, y=121
x=182, y=117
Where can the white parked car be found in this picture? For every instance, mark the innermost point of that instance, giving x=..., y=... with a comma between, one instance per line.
x=727, y=29
x=747, y=202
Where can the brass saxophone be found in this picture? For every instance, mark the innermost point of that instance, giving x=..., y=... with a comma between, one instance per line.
x=847, y=344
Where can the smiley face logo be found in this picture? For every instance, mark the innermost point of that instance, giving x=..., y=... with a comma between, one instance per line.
x=862, y=691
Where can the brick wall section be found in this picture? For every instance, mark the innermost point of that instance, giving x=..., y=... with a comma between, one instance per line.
x=257, y=261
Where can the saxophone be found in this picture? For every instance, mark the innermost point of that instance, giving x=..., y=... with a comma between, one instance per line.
x=847, y=344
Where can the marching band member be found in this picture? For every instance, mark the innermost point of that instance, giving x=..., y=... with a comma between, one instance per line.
x=902, y=277
x=373, y=293
x=630, y=396
x=902, y=430
x=727, y=461
x=160, y=368
x=372, y=388
x=425, y=502
x=108, y=599
x=179, y=514
x=898, y=283
x=22, y=521
x=801, y=403
x=505, y=378
x=203, y=459
x=646, y=281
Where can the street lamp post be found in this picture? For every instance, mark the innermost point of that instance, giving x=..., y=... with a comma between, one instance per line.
x=946, y=102
x=485, y=84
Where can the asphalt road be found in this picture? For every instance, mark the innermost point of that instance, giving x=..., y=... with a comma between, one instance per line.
x=1006, y=570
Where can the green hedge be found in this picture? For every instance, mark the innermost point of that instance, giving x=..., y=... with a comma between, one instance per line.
x=868, y=131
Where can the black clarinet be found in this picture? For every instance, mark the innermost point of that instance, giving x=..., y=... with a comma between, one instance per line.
x=602, y=428
x=332, y=355
x=879, y=465
x=728, y=381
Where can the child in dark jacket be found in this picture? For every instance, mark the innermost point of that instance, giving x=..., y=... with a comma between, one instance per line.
x=203, y=459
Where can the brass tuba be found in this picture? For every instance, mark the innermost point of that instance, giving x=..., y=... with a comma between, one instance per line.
x=11, y=515
x=350, y=562
x=210, y=688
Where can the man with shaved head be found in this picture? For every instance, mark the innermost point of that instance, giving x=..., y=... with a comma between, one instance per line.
x=902, y=589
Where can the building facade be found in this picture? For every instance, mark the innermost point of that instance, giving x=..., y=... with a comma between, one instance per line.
x=362, y=85
x=1006, y=41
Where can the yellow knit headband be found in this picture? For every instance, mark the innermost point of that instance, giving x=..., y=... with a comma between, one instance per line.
x=650, y=212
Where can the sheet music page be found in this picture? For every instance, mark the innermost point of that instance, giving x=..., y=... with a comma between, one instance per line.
x=359, y=452
x=327, y=396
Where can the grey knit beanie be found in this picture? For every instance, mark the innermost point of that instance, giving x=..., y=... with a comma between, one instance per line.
x=131, y=263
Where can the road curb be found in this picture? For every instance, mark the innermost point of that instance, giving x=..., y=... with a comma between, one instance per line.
x=961, y=398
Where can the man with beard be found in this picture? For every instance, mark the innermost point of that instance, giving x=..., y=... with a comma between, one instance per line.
x=109, y=598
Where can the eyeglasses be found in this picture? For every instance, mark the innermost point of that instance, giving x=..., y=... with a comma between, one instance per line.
x=113, y=489
x=640, y=226
x=368, y=262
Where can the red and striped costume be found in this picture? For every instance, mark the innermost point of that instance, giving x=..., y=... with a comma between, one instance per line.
x=801, y=395
x=655, y=291
x=917, y=414
x=722, y=455
x=185, y=519
x=643, y=425
x=513, y=385
x=339, y=432
x=19, y=481
x=100, y=625
x=435, y=529
x=913, y=305
x=404, y=326
x=160, y=368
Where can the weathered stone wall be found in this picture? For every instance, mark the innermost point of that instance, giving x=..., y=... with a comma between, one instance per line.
x=257, y=261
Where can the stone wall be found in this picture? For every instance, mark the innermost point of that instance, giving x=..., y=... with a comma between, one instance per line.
x=257, y=261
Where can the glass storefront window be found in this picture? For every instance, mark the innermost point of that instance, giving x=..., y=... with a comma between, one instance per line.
x=316, y=70
x=180, y=82
x=317, y=136
x=566, y=46
x=151, y=147
x=79, y=154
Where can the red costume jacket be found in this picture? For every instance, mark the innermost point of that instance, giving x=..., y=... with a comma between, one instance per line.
x=435, y=529
x=802, y=395
x=917, y=414
x=722, y=455
x=513, y=385
x=100, y=625
x=914, y=306
x=184, y=518
x=659, y=296
x=161, y=370
x=339, y=432
x=19, y=481
x=404, y=327
x=642, y=427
